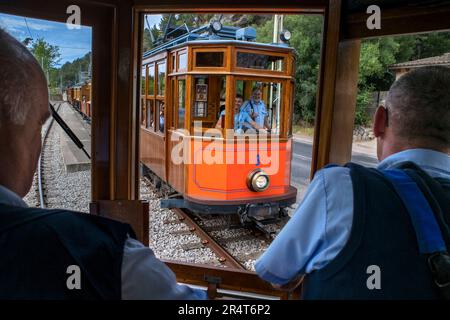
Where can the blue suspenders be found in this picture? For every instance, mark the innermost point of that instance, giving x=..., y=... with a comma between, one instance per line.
x=429, y=236
x=428, y=233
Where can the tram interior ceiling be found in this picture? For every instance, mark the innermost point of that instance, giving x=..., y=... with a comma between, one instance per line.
x=189, y=87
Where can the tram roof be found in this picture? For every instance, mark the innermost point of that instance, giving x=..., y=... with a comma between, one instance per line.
x=226, y=36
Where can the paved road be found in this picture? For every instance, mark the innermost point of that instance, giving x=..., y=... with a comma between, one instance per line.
x=301, y=163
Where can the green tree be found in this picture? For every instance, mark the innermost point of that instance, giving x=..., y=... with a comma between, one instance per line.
x=306, y=39
x=46, y=54
x=375, y=58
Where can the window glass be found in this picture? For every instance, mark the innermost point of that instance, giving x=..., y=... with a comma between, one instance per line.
x=143, y=113
x=208, y=103
x=143, y=72
x=151, y=80
x=201, y=97
x=181, y=103
x=182, y=61
x=174, y=63
x=161, y=79
x=259, y=61
x=209, y=59
x=161, y=116
x=261, y=106
x=150, y=114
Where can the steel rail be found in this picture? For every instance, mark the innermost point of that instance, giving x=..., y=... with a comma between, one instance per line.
x=224, y=256
x=39, y=166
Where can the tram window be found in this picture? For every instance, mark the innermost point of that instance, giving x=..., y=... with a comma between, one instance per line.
x=181, y=103
x=262, y=101
x=143, y=112
x=173, y=59
x=261, y=61
x=143, y=73
x=150, y=114
x=209, y=59
x=151, y=80
x=208, y=102
x=182, y=61
x=160, y=115
x=161, y=79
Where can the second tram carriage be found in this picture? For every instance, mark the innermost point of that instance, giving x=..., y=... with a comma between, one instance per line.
x=187, y=82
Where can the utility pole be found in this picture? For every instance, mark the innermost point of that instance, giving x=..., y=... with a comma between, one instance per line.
x=277, y=29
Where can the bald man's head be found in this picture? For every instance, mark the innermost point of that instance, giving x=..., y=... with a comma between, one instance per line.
x=20, y=78
x=23, y=110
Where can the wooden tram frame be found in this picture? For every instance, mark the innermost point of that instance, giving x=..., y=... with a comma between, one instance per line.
x=116, y=62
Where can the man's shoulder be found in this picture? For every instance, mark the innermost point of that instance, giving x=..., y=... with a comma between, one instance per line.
x=65, y=221
x=332, y=174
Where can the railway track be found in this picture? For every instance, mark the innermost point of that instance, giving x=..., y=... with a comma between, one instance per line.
x=42, y=200
x=233, y=245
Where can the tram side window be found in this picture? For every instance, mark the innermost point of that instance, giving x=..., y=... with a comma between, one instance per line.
x=151, y=80
x=181, y=103
x=208, y=103
x=182, y=61
x=161, y=79
x=143, y=73
x=262, y=102
x=150, y=114
x=160, y=115
x=143, y=113
x=143, y=106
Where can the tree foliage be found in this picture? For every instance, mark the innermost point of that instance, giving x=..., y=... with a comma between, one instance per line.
x=306, y=39
x=46, y=54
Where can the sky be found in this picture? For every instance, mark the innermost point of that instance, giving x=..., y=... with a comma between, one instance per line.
x=72, y=44
x=153, y=19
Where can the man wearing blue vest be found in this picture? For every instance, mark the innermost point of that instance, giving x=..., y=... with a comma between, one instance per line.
x=380, y=233
x=40, y=249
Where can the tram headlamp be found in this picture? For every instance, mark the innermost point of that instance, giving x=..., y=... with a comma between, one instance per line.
x=285, y=35
x=216, y=26
x=258, y=180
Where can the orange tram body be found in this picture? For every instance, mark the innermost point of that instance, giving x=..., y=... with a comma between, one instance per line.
x=80, y=97
x=188, y=137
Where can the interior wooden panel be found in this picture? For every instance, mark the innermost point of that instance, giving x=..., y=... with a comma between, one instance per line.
x=345, y=101
x=326, y=87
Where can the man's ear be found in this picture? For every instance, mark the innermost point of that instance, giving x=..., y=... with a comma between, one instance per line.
x=380, y=121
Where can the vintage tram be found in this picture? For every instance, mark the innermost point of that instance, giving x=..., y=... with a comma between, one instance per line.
x=80, y=97
x=188, y=136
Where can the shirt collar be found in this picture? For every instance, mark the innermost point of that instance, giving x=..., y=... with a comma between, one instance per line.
x=257, y=103
x=10, y=198
x=422, y=157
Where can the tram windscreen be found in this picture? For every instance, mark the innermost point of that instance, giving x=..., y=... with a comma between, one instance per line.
x=260, y=61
